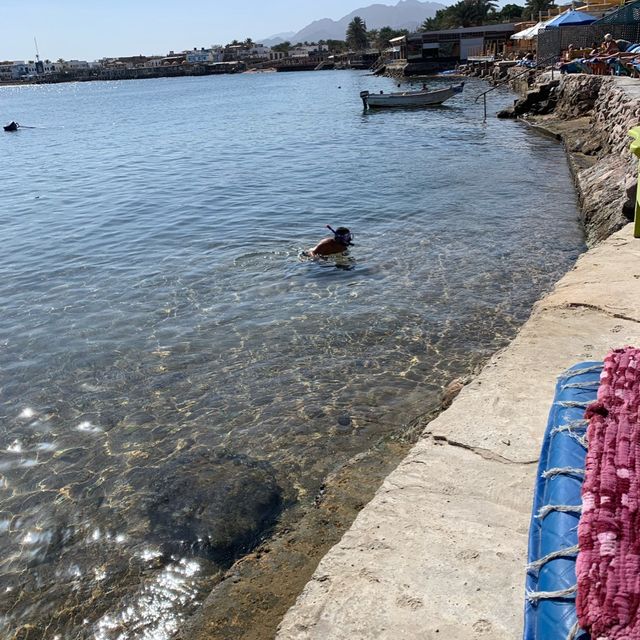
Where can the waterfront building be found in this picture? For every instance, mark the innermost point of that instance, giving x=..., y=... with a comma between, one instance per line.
x=16, y=69
x=199, y=56
x=427, y=51
x=306, y=51
x=125, y=62
x=244, y=52
x=6, y=70
x=73, y=65
x=173, y=59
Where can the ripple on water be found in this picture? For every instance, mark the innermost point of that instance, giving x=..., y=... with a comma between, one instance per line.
x=174, y=377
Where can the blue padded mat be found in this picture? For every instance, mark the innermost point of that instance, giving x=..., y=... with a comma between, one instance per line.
x=563, y=450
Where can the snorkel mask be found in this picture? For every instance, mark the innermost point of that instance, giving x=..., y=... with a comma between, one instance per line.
x=342, y=238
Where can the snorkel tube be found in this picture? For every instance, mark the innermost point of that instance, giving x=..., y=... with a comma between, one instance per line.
x=341, y=237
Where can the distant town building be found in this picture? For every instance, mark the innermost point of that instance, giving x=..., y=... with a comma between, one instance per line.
x=244, y=52
x=307, y=50
x=74, y=64
x=125, y=62
x=199, y=56
x=173, y=59
x=18, y=69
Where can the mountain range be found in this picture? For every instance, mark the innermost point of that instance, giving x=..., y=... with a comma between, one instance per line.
x=406, y=14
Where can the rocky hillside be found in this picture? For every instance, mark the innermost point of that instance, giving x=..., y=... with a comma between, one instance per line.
x=406, y=14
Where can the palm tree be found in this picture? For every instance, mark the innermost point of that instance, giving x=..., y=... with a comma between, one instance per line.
x=357, y=34
x=372, y=38
x=510, y=11
x=283, y=46
x=535, y=7
x=431, y=24
x=471, y=13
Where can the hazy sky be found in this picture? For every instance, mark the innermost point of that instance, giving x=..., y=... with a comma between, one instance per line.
x=92, y=29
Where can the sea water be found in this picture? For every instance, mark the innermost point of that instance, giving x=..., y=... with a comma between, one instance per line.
x=173, y=377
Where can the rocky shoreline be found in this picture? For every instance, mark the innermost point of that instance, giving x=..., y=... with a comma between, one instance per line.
x=592, y=116
x=252, y=597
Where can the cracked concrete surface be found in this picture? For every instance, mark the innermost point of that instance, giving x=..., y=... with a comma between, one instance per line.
x=441, y=549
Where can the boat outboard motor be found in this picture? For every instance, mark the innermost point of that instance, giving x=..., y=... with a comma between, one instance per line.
x=364, y=95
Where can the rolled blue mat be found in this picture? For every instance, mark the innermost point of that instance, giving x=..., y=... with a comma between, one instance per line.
x=556, y=510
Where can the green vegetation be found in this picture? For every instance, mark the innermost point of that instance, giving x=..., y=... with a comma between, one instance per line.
x=336, y=46
x=283, y=47
x=472, y=13
x=534, y=7
x=357, y=34
x=379, y=38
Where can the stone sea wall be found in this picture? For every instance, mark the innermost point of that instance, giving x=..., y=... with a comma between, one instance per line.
x=593, y=115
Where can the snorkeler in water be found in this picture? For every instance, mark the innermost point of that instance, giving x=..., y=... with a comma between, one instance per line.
x=339, y=243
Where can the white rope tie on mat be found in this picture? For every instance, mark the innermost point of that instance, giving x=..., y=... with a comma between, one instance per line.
x=572, y=424
x=566, y=508
x=593, y=386
x=572, y=428
x=560, y=553
x=572, y=404
x=578, y=372
x=562, y=471
x=534, y=596
x=574, y=631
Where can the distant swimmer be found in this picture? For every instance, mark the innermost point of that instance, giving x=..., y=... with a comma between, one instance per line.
x=339, y=243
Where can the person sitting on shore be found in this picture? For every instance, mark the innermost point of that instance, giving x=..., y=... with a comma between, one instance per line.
x=608, y=46
x=527, y=61
x=569, y=54
x=339, y=243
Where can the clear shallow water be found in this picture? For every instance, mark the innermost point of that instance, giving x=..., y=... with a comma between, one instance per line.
x=173, y=376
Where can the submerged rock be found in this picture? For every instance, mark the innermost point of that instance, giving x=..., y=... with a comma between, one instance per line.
x=213, y=504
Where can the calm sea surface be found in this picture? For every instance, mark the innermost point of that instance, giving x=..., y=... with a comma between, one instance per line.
x=173, y=376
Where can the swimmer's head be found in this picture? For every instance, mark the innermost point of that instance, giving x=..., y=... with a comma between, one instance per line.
x=342, y=235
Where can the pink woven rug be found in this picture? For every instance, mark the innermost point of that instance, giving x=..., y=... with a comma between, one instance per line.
x=608, y=564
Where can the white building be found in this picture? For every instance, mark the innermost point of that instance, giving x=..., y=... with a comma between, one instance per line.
x=75, y=65
x=6, y=69
x=17, y=69
x=199, y=56
x=306, y=50
x=242, y=52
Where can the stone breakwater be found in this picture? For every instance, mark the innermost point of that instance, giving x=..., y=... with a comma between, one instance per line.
x=592, y=115
x=440, y=551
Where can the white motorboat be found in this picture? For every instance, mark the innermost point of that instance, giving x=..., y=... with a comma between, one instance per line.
x=424, y=98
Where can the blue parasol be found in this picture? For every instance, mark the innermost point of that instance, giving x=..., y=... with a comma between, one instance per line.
x=570, y=17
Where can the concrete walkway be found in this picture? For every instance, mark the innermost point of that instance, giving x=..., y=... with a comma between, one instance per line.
x=440, y=551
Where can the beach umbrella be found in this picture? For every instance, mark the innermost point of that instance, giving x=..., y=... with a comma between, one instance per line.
x=570, y=17
x=528, y=33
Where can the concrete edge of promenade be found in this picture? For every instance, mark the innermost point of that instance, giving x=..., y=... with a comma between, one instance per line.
x=440, y=551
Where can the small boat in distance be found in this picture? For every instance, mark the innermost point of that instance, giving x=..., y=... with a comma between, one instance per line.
x=12, y=126
x=423, y=98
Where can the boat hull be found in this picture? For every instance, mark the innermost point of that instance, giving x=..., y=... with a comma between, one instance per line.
x=409, y=98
